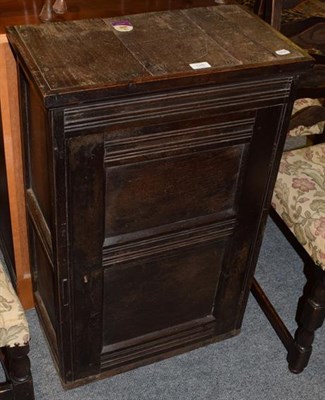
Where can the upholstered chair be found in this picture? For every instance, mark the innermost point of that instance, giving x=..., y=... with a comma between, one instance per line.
x=298, y=209
x=14, y=344
x=298, y=204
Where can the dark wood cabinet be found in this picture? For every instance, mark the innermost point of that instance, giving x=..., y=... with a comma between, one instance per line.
x=148, y=182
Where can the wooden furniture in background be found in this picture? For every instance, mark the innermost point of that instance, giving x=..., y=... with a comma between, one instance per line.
x=27, y=12
x=148, y=182
x=12, y=149
x=303, y=22
x=294, y=17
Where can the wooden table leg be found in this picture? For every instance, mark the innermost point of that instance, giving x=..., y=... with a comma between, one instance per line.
x=13, y=158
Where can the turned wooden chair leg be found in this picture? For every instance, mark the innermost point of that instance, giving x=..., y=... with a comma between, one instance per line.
x=310, y=317
x=17, y=368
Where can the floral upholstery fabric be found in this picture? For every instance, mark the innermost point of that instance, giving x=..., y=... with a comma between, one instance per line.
x=299, y=198
x=302, y=130
x=13, y=324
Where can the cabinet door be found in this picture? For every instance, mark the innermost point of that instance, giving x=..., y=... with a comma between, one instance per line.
x=170, y=209
x=164, y=214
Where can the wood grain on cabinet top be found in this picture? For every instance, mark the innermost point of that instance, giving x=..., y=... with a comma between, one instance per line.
x=91, y=54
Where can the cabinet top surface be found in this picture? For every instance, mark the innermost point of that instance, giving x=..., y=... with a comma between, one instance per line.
x=136, y=49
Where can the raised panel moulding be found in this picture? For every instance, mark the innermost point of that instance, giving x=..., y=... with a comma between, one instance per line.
x=167, y=242
x=177, y=104
x=156, y=145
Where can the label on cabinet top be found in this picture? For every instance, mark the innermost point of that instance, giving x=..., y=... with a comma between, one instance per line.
x=92, y=55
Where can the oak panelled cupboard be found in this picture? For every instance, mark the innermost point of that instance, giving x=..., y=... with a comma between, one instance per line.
x=151, y=144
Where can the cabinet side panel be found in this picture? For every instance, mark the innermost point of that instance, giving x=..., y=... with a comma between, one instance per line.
x=39, y=156
x=44, y=283
x=38, y=193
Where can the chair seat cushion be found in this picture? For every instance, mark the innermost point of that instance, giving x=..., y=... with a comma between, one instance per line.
x=299, y=198
x=13, y=324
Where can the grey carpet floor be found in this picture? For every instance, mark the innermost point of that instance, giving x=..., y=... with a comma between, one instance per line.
x=250, y=366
